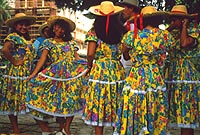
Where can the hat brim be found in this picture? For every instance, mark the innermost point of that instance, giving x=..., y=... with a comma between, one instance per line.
x=126, y=3
x=12, y=21
x=157, y=14
x=41, y=28
x=53, y=19
x=190, y=16
x=95, y=10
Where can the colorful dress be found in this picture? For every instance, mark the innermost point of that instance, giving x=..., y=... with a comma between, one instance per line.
x=144, y=107
x=14, y=84
x=183, y=81
x=56, y=90
x=104, y=85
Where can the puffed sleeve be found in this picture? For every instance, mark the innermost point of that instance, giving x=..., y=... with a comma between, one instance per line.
x=14, y=38
x=91, y=36
x=128, y=39
x=47, y=44
x=195, y=33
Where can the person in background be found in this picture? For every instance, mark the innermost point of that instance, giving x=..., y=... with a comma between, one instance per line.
x=131, y=9
x=18, y=50
x=105, y=72
x=144, y=108
x=56, y=90
x=43, y=31
x=182, y=77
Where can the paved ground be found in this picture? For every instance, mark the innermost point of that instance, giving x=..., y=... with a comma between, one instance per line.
x=29, y=127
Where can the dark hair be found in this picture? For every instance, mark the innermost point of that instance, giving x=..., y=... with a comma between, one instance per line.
x=25, y=35
x=62, y=23
x=135, y=9
x=115, y=29
x=153, y=21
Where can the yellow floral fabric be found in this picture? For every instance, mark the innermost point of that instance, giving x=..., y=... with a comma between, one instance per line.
x=104, y=85
x=56, y=90
x=14, y=83
x=182, y=78
x=144, y=107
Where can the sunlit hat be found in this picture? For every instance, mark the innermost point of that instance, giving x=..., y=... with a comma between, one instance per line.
x=181, y=11
x=150, y=11
x=105, y=8
x=134, y=3
x=41, y=28
x=18, y=17
x=53, y=19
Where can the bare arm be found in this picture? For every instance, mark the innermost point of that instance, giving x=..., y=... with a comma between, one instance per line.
x=125, y=51
x=185, y=39
x=91, y=53
x=76, y=55
x=7, y=54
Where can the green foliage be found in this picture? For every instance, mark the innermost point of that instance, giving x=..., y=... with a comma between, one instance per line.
x=4, y=11
x=192, y=5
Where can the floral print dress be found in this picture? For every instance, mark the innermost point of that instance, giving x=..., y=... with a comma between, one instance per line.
x=104, y=85
x=56, y=90
x=14, y=83
x=144, y=107
x=183, y=81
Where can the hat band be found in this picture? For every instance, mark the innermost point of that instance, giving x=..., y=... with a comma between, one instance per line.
x=107, y=19
x=182, y=12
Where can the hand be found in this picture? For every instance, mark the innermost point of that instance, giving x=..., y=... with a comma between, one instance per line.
x=18, y=62
x=87, y=74
x=185, y=22
x=30, y=77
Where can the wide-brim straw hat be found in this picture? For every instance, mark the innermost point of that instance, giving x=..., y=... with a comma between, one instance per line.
x=53, y=19
x=41, y=28
x=134, y=3
x=18, y=17
x=105, y=8
x=151, y=11
x=181, y=11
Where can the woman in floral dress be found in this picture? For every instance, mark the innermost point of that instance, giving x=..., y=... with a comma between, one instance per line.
x=19, y=52
x=145, y=98
x=56, y=90
x=182, y=76
x=106, y=74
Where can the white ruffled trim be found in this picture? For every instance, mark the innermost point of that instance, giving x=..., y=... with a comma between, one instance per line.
x=3, y=67
x=54, y=114
x=107, y=124
x=181, y=81
x=15, y=77
x=143, y=131
x=193, y=126
x=59, y=79
x=144, y=92
x=15, y=113
x=105, y=82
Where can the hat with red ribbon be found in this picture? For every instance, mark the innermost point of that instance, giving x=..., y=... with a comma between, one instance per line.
x=106, y=8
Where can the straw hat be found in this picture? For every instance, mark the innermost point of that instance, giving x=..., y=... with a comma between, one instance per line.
x=41, y=28
x=105, y=8
x=18, y=17
x=53, y=19
x=150, y=11
x=134, y=3
x=181, y=11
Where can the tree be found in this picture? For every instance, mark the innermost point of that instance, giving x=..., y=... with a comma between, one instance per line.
x=192, y=5
x=4, y=11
